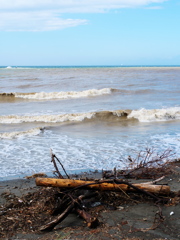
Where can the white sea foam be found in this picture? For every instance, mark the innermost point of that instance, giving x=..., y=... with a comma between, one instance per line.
x=17, y=134
x=77, y=117
x=143, y=115
x=33, y=154
x=152, y=115
x=64, y=95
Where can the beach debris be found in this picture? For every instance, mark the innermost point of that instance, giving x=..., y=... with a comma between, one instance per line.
x=120, y=208
x=103, y=185
x=75, y=204
x=72, y=191
x=69, y=187
x=36, y=175
x=84, y=196
x=147, y=164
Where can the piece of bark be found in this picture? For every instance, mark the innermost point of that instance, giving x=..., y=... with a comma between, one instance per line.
x=92, y=222
x=103, y=186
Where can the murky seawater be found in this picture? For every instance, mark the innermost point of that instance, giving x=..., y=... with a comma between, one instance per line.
x=92, y=118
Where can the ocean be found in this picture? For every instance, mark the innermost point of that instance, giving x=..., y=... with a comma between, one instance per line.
x=92, y=118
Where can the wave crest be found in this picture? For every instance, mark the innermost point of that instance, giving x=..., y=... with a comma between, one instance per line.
x=11, y=135
x=143, y=115
x=64, y=95
x=153, y=115
x=46, y=118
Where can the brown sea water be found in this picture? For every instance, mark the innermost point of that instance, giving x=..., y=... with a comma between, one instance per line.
x=91, y=117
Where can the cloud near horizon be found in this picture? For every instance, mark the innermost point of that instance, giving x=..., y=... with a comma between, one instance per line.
x=46, y=15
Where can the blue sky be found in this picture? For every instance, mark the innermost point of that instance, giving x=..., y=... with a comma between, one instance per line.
x=89, y=32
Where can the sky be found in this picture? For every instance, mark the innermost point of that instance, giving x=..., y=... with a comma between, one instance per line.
x=89, y=32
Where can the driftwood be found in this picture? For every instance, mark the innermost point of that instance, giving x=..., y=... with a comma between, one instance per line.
x=73, y=193
x=102, y=185
x=92, y=222
x=154, y=181
x=49, y=226
x=75, y=204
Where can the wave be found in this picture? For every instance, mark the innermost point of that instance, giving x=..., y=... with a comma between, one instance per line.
x=11, y=135
x=153, y=115
x=71, y=94
x=46, y=118
x=142, y=115
x=60, y=95
x=7, y=94
x=71, y=117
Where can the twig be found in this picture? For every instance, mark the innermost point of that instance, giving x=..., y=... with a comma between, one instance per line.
x=147, y=160
x=91, y=221
x=124, y=192
x=158, y=219
x=49, y=226
x=62, y=166
x=155, y=181
x=55, y=165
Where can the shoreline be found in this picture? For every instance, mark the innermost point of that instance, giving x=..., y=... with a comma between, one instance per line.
x=131, y=220
x=49, y=174
x=97, y=173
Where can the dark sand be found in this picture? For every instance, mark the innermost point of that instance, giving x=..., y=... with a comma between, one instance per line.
x=131, y=220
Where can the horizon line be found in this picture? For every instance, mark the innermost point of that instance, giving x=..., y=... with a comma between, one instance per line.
x=115, y=65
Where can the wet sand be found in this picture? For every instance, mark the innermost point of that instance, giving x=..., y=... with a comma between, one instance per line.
x=135, y=220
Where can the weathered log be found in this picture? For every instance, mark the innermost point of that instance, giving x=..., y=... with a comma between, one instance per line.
x=101, y=185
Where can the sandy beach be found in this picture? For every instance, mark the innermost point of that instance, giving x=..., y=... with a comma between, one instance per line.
x=90, y=120
x=136, y=217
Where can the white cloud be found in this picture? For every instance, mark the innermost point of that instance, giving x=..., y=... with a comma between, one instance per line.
x=36, y=21
x=45, y=15
x=77, y=6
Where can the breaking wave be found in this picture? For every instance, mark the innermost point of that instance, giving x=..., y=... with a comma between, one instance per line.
x=142, y=115
x=153, y=115
x=45, y=118
x=11, y=135
x=60, y=95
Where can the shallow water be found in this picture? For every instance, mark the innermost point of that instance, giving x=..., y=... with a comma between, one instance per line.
x=91, y=117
